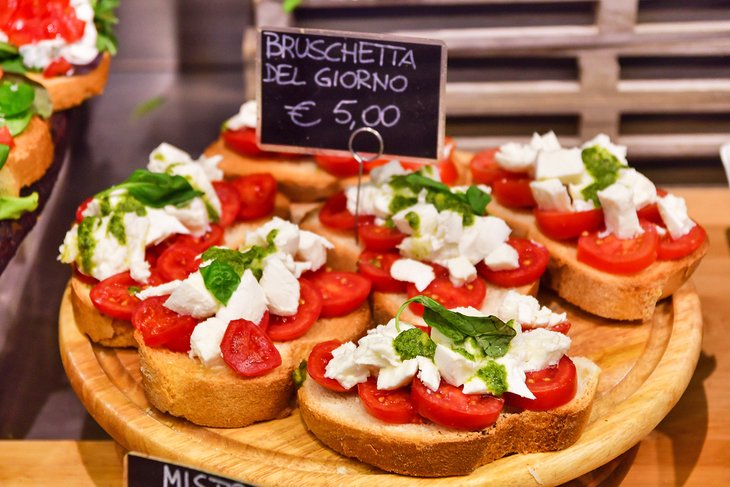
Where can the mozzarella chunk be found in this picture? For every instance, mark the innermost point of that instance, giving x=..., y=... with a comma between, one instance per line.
x=538, y=349
x=454, y=367
x=461, y=271
x=515, y=377
x=280, y=287
x=393, y=377
x=162, y=225
x=193, y=215
x=247, y=302
x=286, y=239
x=563, y=164
x=382, y=174
x=161, y=290
x=205, y=341
x=136, y=229
x=192, y=298
x=546, y=142
x=481, y=238
x=603, y=140
x=516, y=157
x=451, y=226
x=673, y=211
x=247, y=117
x=583, y=205
x=619, y=212
x=313, y=248
x=428, y=219
x=343, y=369
x=164, y=155
x=551, y=194
x=409, y=270
x=428, y=373
x=526, y=310
x=643, y=190
x=503, y=258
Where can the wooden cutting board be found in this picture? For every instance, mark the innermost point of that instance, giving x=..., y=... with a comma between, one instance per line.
x=646, y=368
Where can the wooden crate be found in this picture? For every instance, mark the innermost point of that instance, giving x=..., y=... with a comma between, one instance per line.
x=654, y=74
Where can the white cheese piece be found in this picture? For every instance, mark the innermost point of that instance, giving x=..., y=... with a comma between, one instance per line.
x=280, y=287
x=192, y=298
x=286, y=239
x=376, y=348
x=644, y=191
x=583, y=205
x=482, y=237
x=475, y=385
x=136, y=228
x=576, y=189
x=198, y=179
x=619, y=212
x=210, y=166
x=503, y=258
x=673, y=211
x=538, y=349
x=343, y=369
x=161, y=290
x=450, y=226
x=162, y=225
x=603, y=140
x=247, y=117
x=563, y=164
x=69, y=249
x=454, y=367
x=516, y=157
x=382, y=174
x=313, y=248
x=551, y=194
x=428, y=219
x=547, y=142
x=428, y=373
x=248, y=301
x=526, y=310
x=109, y=257
x=165, y=155
x=515, y=377
x=193, y=215
x=393, y=377
x=461, y=271
x=205, y=341
x=409, y=270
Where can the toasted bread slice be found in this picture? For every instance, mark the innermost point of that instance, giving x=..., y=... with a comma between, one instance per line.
x=619, y=297
x=427, y=450
x=69, y=91
x=29, y=160
x=216, y=396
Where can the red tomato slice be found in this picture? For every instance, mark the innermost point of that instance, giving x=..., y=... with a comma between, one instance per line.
x=619, y=256
x=113, y=298
x=562, y=327
x=513, y=192
x=533, y=259
x=485, y=170
x=317, y=363
x=212, y=237
x=178, y=261
x=345, y=166
x=650, y=212
x=379, y=238
x=446, y=168
x=283, y=328
x=671, y=249
x=248, y=350
x=334, y=213
x=395, y=407
x=230, y=202
x=552, y=387
x=562, y=225
x=441, y=290
x=376, y=267
x=81, y=208
x=257, y=193
x=59, y=67
x=5, y=137
x=450, y=407
x=342, y=292
x=162, y=327
x=83, y=277
x=29, y=21
x=242, y=141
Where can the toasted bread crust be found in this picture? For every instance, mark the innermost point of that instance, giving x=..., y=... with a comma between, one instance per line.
x=619, y=297
x=216, y=396
x=69, y=91
x=427, y=450
x=32, y=155
x=300, y=180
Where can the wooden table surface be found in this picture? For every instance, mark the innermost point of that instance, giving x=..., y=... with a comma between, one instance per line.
x=690, y=447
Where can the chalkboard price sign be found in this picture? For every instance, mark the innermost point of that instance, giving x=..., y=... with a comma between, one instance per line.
x=317, y=87
x=143, y=471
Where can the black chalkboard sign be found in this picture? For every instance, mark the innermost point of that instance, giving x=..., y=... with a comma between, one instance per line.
x=317, y=87
x=143, y=471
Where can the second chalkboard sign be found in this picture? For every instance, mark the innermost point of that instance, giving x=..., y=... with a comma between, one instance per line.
x=317, y=87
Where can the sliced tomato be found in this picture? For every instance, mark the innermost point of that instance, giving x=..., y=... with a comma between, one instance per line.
x=283, y=328
x=562, y=225
x=230, y=202
x=6, y=137
x=450, y=407
x=28, y=21
x=650, y=212
x=334, y=213
x=248, y=350
x=486, y=170
x=552, y=387
x=342, y=292
x=442, y=290
x=92, y=281
x=242, y=141
x=162, y=327
x=395, y=407
x=671, y=249
x=82, y=207
x=619, y=256
x=178, y=261
x=446, y=169
x=533, y=259
x=513, y=192
x=379, y=238
x=562, y=327
x=317, y=362
x=59, y=67
x=257, y=193
x=212, y=237
x=345, y=166
x=113, y=296
x=376, y=267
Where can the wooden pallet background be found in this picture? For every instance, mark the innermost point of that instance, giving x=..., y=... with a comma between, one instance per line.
x=653, y=73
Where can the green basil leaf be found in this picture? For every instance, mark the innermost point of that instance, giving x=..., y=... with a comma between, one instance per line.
x=42, y=104
x=478, y=200
x=413, y=342
x=603, y=167
x=147, y=107
x=252, y=259
x=220, y=279
x=416, y=182
x=17, y=123
x=15, y=98
x=157, y=189
x=4, y=152
x=13, y=65
x=105, y=19
x=12, y=207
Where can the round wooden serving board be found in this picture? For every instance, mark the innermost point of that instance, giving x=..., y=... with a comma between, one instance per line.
x=646, y=368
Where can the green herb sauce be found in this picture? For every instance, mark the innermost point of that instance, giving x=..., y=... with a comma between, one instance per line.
x=116, y=227
x=494, y=376
x=413, y=342
x=87, y=243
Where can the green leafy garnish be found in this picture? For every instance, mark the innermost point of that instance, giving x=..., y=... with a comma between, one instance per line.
x=414, y=221
x=15, y=98
x=491, y=334
x=7, y=50
x=157, y=189
x=87, y=243
x=300, y=374
x=13, y=207
x=147, y=107
x=13, y=65
x=477, y=199
x=220, y=279
x=17, y=123
x=4, y=152
x=105, y=19
x=252, y=259
x=416, y=181
x=413, y=342
x=494, y=376
x=400, y=202
x=603, y=167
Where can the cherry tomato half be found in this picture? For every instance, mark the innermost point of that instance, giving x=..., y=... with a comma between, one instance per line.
x=113, y=296
x=242, y=140
x=395, y=407
x=317, y=362
x=257, y=193
x=442, y=290
x=619, y=256
x=562, y=327
x=283, y=328
x=533, y=259
x=513, y=192
x=178, y=261
x=376, y=267
x=6, y=137
x=379, y=238
x=334, y=213
x=552, y=387
x=562, y=225
x=486, y=170
x=345, y=166
x=671, y=249
x=82, y=207
x=450, y=407
x=162, y=327
x=212, y=237
x=59, y=67
x=230, y=202
x=342, y=292
x=248, y=350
